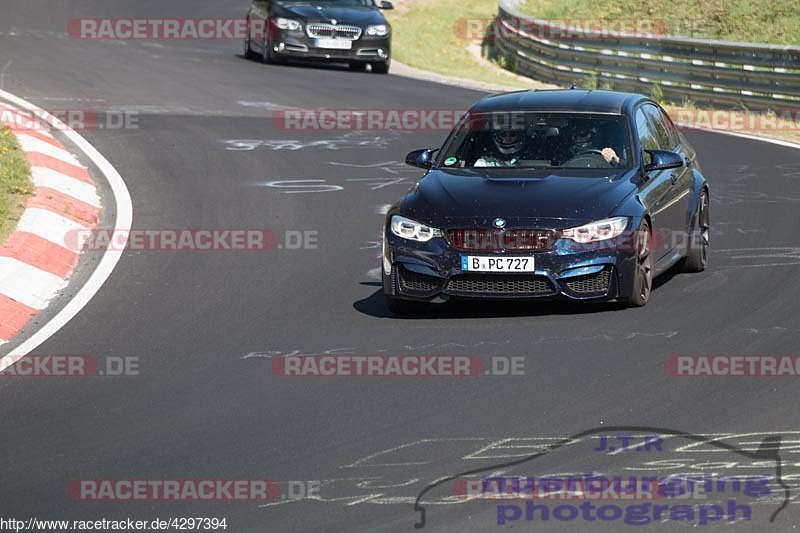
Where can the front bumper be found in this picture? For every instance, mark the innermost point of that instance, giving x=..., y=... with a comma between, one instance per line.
x=567, y=270
x=297, y=45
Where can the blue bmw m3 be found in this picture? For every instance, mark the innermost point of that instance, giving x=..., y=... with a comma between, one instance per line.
x=564, y=194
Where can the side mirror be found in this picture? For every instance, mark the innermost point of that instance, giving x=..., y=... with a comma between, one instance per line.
x=421, y=158
x=663, y=160
x=387, y=5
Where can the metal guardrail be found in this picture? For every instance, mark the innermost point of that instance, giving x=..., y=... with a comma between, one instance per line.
x=756, y=76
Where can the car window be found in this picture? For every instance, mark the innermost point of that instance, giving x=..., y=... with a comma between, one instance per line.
x=538, y=140
x=646, y=131
x=656, y=118
x=671, y=129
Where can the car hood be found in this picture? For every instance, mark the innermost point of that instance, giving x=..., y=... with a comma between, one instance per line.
x=555, y=198
x=359, y=16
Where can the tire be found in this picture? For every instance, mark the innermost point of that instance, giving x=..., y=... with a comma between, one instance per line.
x=267, y=55
x=381, y=68
x=697, y=255
x=643, y=278
x=404, y=307
x=248, y=51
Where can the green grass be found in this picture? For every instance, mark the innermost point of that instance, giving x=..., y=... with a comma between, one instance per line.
x=15, y=182
x=424, y=36
x=758, y=21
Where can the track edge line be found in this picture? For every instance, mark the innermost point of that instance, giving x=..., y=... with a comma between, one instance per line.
x=106, y=265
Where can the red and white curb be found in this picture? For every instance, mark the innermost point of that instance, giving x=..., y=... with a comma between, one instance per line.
x=36, y=260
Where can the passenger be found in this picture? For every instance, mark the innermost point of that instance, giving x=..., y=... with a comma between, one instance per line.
x=584, y=140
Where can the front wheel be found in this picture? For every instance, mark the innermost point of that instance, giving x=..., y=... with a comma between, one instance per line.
x=267, y=54
x=697, y=256
x=643, y=277
x=381, y=68
x=248, y=50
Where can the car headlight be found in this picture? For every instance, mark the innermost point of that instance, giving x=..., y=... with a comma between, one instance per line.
x=415, y=231
x=597, y=231
x=387, y=264
x=288, y=24
x=381, y=30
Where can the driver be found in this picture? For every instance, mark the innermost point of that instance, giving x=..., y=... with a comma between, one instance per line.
x=582, y=142
x=507, y=144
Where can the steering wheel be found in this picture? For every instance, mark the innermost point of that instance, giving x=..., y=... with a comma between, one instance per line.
x=588, y=159
x=591, y=152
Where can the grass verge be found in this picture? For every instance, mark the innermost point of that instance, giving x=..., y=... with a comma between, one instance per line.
x=15, y=182
x=424, y=36
x=757, y=21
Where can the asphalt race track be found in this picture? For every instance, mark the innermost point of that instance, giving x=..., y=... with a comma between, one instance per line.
x=205, y=326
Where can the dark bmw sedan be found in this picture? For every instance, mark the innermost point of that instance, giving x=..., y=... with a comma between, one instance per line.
x=576, y=195
x=347, y=31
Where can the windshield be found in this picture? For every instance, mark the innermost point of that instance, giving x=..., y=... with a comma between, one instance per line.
x=538, y=140
x=338, y=3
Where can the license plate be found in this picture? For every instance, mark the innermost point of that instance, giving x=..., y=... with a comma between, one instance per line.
x=336, y=44
x=470, y=263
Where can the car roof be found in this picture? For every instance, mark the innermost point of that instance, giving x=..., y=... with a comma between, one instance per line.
x=560, y=100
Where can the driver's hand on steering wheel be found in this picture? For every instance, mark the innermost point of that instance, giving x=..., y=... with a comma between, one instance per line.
x=610, y=155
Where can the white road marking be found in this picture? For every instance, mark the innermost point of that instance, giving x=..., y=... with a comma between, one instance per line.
x=47, y=177
x=302, y=186
x=124, y=211
x=366, y=461
x=49, y=225
x=70, y=99
x=265, y=105
x=381, y=183
x=27, y=284
x=666, y=334
x=348, y=140
x=770, y=330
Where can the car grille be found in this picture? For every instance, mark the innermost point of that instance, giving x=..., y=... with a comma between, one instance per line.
x=593, y=284
x=329, y=31
x=518, y=240
x=500, y=285
x=414, y=281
